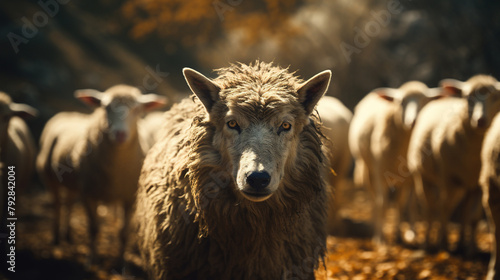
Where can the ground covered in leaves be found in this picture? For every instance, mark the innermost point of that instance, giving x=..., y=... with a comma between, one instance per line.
x=357, y=259
x=351, y=256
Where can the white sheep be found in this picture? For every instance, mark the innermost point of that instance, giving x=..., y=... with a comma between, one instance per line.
x=96, y=156
x=490, y=182
x=335, y=118
x=17, y=148
x=150, y=128
x=444, y=157
x=378, y=137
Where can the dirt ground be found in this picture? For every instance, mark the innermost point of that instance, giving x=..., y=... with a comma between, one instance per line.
x=349, y=257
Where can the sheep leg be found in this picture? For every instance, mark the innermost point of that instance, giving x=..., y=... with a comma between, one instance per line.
x=415, y=212
x=381, y=199
x=427, y=192
x=360, y=174
x=406, y=212
x=91, y=209
x=450, y=200
x=69, y=201
x=492, y=207
x=443, y=218
x=369, y=181
x=127, y=213
x=471, y=212
x=56, y=194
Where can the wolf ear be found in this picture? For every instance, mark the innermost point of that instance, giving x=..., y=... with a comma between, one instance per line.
x=206, y=90
x=313, y=89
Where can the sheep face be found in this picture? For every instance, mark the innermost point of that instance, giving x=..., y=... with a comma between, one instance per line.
x=121, y=117
x=257, y=126
x=411, y=105
x=483, y=104
x=483, y=97
x=123, y=106
x=409, y=99
x=8, y=109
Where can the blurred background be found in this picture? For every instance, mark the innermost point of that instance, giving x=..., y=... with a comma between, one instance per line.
x=49, y=48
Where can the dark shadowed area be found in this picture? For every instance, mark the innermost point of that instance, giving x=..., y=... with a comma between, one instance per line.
x=50, y=48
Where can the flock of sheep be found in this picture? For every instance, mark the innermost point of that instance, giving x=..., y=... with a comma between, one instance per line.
x=236, y=181
x=439, y=145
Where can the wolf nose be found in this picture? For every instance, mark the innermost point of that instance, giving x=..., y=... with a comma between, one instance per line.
x=259, y=180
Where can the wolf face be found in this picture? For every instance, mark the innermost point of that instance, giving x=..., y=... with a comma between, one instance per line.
x=258, y=117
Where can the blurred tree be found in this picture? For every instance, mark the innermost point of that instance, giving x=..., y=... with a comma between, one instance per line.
x=97, y=43
x=190, y=23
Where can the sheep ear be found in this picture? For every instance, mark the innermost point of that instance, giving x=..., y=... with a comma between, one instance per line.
x=497, y=86
x=152, y=101
x=22, y=110
x=435, y=93
x=452, y=87
x=90, y=97
x=311, y=91
x=386, y=93
x=206, y=90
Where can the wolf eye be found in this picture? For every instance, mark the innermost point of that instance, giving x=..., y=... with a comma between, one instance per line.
x=286, y=126
x=233, y=124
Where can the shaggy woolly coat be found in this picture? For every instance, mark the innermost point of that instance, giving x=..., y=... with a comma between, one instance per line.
x=336, y=118
x=444, y=158
x=490, y=182
x=149, y=128
x=78, y=157
x=192, y=223
x=378, y=137
x=17, y=147
x=20, y=151
x=76, y=153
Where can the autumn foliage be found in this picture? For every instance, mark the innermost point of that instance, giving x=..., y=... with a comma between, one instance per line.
x=198, y=21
